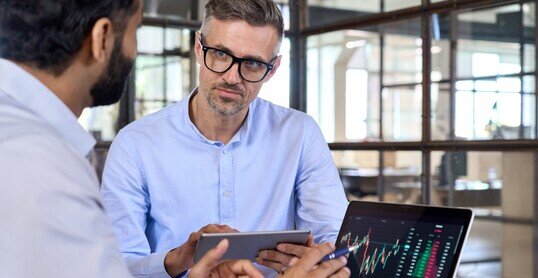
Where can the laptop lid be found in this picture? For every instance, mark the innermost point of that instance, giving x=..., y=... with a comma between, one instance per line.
x=398, y=240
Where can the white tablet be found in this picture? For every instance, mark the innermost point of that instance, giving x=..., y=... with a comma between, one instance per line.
x=246, y=245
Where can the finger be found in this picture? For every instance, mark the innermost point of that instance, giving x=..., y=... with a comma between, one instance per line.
x=210, y=229
x=314, y=255
x=217, y=228
x=209, y=260
x=310, y=241
x=276, y=256
x=294, y=261
x=329, y=267
x=293, y=249
x=344, y=272
x=277, y=266
x=227, y=229
x=192, y=241
x=245, y=267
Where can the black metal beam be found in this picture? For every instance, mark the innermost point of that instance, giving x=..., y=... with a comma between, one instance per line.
x=297, y=55
x=171, y=22
x=127, y=111
x=426, y=103
x=535, y=199
x=381, y=162
x=521, y=131
x=398, y=15
x=536, y=71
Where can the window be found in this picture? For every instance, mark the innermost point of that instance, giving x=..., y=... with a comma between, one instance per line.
x=473, y=67
x=163, y=68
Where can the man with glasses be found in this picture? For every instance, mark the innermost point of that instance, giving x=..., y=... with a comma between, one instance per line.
x=222, y=160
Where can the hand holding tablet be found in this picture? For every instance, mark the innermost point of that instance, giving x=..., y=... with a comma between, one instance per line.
x=309, y=266
x=246, y=245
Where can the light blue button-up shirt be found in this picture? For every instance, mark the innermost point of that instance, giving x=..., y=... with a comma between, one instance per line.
x=164, y=180
x=53, y=221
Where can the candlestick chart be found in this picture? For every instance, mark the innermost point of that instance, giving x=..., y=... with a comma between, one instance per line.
x=396, y=248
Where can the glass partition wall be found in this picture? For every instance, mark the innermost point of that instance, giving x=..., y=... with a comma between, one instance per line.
x=433, y=102
x=422, y=102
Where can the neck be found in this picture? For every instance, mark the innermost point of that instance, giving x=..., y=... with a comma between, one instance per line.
x=69, y=87
x=212, y=125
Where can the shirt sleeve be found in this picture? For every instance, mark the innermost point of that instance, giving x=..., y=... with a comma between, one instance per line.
x=127, y=203
x=321, y=202
x=53, y=222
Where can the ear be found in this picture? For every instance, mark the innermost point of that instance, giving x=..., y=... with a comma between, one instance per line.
x=198, y=48
x=102, y=40
x=276, y=64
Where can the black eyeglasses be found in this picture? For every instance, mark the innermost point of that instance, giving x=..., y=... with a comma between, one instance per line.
x=220, y=61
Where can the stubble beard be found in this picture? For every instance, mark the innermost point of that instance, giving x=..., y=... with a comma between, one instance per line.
x=223, y=106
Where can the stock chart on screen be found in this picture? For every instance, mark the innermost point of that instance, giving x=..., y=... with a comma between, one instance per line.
x=399, y=248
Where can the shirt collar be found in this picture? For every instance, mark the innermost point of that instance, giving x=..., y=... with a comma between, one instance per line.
x=42, y=102
x=240, y=135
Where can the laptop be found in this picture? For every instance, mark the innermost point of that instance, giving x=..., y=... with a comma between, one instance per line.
x=397, y=240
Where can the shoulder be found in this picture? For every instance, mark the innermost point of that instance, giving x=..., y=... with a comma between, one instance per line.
x=30, y=143
x=39, y=163
x=267, y=111
x=16, y=121
x=155, y=119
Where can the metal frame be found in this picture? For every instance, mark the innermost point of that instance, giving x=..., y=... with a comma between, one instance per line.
x=426, y=145
x=127, y=111
x=298, y=17
x=402, y=14
x=535, y=226
x=426, y=103
x=381, y=162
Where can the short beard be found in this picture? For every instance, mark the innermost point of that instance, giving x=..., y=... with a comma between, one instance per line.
x=113, y=82
x=225, y=107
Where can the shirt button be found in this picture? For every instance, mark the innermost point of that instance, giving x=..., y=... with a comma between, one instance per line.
x=225, y=151
x=226, y=194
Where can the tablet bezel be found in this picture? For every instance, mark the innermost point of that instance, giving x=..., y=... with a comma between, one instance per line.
x=246, y=245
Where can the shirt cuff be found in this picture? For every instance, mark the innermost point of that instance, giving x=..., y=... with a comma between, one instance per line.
x=156, y=264
x=148, y=266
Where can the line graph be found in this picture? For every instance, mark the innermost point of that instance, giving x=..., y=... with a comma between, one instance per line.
x=372, y=256
x=395, y=248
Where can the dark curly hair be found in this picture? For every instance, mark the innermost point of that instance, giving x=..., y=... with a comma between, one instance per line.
x=48, y=33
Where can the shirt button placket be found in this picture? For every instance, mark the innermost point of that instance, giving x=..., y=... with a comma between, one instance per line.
x=226, y=188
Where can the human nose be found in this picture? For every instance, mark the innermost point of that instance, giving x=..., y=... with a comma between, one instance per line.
x=232, y=75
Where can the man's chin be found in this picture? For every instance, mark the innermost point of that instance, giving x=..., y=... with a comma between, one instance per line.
x=226, y=110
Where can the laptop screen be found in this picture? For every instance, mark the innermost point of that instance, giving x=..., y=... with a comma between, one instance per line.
x=403, y=240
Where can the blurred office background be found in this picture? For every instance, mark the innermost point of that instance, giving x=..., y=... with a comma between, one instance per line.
x=421, y=101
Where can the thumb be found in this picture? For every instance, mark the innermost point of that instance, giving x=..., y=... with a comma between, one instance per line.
x=310, y=241
x=209, y=260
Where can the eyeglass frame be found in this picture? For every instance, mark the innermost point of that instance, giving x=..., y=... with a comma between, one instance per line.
x=237, y=60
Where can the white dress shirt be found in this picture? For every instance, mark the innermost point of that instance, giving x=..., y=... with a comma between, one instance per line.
x=51, y=213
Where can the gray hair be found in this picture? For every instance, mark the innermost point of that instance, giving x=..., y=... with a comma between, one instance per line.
x=254, y=12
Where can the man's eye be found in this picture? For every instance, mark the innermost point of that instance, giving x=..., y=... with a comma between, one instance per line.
x=253, y=65
x=220, y=54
